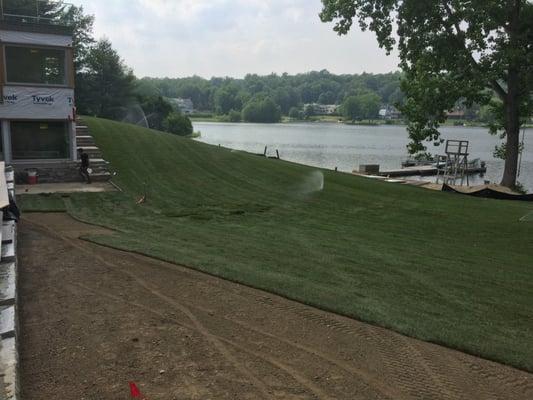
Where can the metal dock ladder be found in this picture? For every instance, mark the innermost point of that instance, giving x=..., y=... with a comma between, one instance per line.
x=455, y=164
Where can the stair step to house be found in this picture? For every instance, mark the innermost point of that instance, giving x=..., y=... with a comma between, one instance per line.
x=93, y=151
x=84, y=143
x=101, y=177
x=85, y=140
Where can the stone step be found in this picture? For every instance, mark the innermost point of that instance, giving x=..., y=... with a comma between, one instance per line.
x=93, y=151
x=101, y=177
x=84, y=143
x=8, y=278
x=9, y=368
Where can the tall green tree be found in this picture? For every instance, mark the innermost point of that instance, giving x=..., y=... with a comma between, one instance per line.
x=82, y=33
x=350, y=108
x=261, y=110
x=453, y=49
x=156, y=111
x=226, y=99
x=369, y=105
x=106, y=86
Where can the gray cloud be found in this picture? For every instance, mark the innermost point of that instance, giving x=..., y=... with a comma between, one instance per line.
x=231, y=38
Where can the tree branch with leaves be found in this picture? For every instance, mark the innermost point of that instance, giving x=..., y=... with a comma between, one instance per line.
x=450, y=51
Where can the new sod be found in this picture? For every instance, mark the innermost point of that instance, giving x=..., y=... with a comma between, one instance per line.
x=445, y=268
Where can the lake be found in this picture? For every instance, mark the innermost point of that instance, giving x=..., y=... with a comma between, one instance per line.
x=330, y=145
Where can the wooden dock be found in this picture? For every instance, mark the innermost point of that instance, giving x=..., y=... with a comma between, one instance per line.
x=425, y=170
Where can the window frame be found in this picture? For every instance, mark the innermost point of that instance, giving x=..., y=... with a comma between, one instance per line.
x=68, y=136
x=67, y=71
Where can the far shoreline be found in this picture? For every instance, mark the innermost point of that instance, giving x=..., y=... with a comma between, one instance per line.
x=332, y=121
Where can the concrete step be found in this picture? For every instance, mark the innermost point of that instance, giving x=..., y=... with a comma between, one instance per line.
x=8, y=287
x=84, y=137
x=7, y=321
x=101, y=177
x=9, y=368
x=98, y=161
x=84, y=143
x=93, y=151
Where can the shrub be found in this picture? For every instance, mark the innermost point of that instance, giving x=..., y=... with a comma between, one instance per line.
x=178, y=124
x=234, y=116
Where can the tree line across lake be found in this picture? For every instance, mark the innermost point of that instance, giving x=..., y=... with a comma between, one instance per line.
x=267, y=98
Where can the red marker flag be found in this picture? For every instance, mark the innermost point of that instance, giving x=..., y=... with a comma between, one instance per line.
x=135, y=392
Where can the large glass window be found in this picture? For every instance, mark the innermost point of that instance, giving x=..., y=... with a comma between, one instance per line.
x=35, y=65
x=39, y=140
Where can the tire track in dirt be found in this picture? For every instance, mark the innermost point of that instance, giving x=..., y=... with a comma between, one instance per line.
x=371, y=381
x=407, y=370
x=304, y=382
x=519, y=385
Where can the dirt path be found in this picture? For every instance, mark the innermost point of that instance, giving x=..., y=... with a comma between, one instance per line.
x=93, y=319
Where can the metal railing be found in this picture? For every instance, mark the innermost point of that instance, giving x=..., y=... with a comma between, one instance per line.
x=34, y=11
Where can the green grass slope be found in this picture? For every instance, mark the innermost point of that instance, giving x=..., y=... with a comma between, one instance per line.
x=445, y=268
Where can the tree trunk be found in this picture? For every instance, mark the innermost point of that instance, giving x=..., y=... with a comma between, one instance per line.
x=512, y=128
x=512, y=102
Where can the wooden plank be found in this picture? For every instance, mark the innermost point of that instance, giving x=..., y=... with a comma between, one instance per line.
x=7, y=321
x=8, y=231
x=2, y=74
x=8, y=283
x=8, y=250
x=4, y=199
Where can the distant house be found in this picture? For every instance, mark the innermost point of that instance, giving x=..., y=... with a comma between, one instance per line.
x=322, y=109
x=456, y=114
x=37, y=114
x=186, y=106
x=389, y=112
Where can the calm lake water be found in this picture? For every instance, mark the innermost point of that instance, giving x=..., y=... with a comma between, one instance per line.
x=330, y=145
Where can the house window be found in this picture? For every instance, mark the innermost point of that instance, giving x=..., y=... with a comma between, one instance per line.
x=35, y=65
x=39, y=140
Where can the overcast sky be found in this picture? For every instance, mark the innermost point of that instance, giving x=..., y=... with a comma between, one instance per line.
x=178, y=38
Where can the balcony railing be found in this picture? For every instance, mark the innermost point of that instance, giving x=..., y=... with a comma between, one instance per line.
x=35, y=12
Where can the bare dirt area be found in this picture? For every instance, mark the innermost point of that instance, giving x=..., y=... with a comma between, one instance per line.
x=92, y=319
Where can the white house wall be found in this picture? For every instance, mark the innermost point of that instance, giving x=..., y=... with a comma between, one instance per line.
x=21, y=102
x=35, y=39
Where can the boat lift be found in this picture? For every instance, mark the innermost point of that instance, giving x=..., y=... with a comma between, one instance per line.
x=455, y=163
